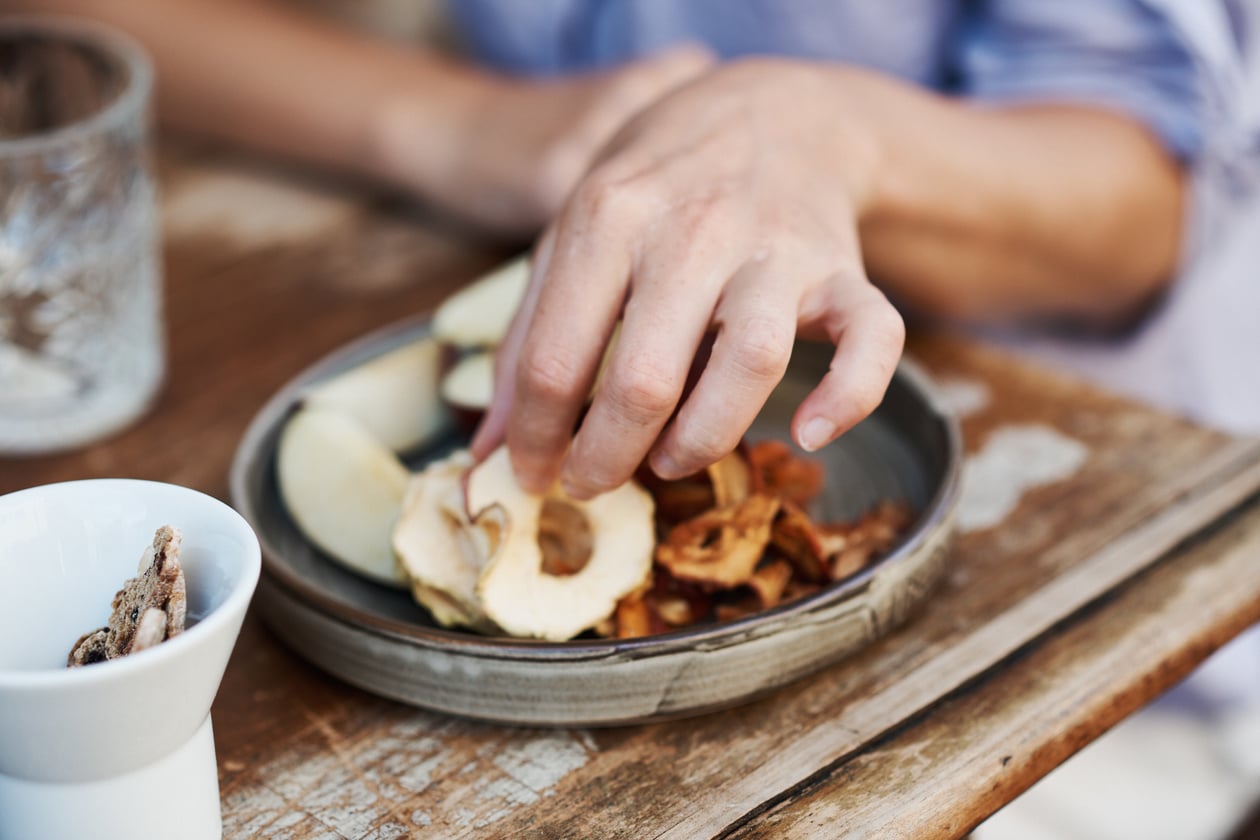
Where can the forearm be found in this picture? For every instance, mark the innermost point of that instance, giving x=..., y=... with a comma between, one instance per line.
x=995, y=214
x=264, y=76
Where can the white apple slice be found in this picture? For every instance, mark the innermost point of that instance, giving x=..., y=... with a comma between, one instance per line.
x=469, y=385
x=443, y=551
x=344, y=490
x=519, y=596
x=479, y=314
x=394, y=396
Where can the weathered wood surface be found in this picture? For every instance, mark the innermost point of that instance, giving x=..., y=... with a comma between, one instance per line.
x=1070, y=493
x=941, y=776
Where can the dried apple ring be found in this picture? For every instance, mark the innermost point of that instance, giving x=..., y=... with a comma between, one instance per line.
x=515, y=591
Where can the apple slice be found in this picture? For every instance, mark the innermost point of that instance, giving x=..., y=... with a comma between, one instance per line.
x=394, y=396
x=469, y=385
x=344, y=490
x=443, y=551
x=513, y=589
x=479, y=314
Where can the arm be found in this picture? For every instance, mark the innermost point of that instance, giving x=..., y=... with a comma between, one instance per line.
x=499, y=151
x=998, y=214
x=752, y=202
x=266, y=77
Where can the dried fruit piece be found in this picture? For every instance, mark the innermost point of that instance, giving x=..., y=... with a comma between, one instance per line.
x=871, y=536
x=722, y=547
x=678, y=501
x=674, y=610
x=770, y=581
x=726, y=482
x=344, y=489
x=519, y=596
x=745, y=606
x=800, y=541
x=478, y=315
x=780, y=472
x=442, y=550
x=633, y=618
x=731, y=478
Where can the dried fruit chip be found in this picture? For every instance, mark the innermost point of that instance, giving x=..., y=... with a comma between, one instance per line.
x=726, y=482
x=801, y=541
x=633, y=618
x=770, y=581
x=722, y=547
x=871, y=536
x=674, y=610
x=732, y=479
x=678, y=501
x=739, y=608
x=781, y=473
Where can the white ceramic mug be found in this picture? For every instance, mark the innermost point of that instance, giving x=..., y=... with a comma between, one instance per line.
x=123, y=748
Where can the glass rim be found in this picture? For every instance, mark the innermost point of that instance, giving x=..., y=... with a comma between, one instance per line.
x=98, y=36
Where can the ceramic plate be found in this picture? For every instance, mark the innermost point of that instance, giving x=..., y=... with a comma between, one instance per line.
x=381, y=640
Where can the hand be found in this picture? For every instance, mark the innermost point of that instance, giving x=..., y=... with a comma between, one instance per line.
x=730, y=206
x=519, y=146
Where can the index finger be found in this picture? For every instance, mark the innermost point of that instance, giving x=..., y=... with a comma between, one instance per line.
x=579, y=298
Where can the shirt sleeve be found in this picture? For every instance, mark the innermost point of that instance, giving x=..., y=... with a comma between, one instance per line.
x=1172, y=64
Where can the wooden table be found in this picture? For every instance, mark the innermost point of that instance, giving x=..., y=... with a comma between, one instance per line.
x=1106, y=550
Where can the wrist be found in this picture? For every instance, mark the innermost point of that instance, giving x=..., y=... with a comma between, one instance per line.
x=865, y=142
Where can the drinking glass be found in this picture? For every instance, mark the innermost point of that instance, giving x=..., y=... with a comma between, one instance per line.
x=81, y=344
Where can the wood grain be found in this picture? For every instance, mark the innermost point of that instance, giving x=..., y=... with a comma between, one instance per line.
x=940, y=777
x=266, y=273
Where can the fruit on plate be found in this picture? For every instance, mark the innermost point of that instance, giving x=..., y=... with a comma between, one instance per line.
x=483, y=553
x=469, y=385
x=515, y=590
x=394, y=396
x=442, y=550
x=479, y=314
x=344, y=489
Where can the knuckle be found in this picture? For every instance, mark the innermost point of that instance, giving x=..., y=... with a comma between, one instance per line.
x=643, y=392
x=762, y=348
x=701, y=444
x=605, y=197
x=596, y=479
x=704, y=218
x=547, y=375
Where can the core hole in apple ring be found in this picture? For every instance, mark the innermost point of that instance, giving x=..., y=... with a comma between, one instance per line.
x=565, y=538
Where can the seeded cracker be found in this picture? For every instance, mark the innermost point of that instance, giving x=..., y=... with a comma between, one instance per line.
x=149, y=609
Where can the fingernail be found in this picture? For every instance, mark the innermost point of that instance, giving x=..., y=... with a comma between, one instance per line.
x=816, y=434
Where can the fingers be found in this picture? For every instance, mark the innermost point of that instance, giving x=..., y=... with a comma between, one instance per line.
x=666, y=317
x=869, y=336
x=757, y=325
x=556, y=354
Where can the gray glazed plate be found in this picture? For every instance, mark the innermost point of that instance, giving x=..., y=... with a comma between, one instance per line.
x=379, y=639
